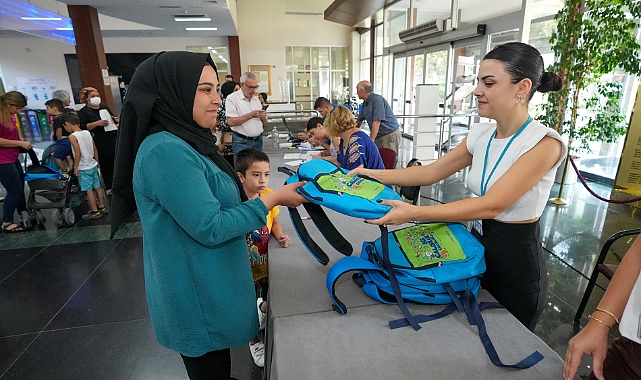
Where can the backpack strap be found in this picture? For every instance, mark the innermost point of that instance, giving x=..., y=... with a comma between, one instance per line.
x=322, y=222
x=393, y=281
x=473, y=313
x=305, y=238
x=341, y=267
x=327, y=229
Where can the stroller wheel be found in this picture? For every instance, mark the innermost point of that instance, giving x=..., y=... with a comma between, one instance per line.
x=57, y=217
x=70, y=217
x=26, y=218
x=40, y=218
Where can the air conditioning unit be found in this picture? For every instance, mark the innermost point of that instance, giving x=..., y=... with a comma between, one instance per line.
x=425, y=29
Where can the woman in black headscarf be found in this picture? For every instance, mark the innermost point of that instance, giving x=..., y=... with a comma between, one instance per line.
x=193, y=211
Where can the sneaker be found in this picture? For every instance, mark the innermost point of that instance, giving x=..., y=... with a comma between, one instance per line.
x=258, y=353
x=261, y=316
x=103, y=211
x=92, y=215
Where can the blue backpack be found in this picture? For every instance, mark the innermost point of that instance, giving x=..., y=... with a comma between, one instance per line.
x=435, y=263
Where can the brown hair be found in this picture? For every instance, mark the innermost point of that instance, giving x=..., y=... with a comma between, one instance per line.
x=340, y=119
x=10, y=98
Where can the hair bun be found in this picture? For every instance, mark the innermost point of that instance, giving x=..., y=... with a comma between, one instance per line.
x=550, y=82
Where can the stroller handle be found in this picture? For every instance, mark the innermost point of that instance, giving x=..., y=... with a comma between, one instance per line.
x=32, y=156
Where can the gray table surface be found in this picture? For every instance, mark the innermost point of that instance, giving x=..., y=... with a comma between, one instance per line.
x=306, y=339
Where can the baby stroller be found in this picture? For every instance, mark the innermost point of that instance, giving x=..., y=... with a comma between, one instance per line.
x=50, y=189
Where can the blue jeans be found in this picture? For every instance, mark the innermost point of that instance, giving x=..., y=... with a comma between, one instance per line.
x=12, y=178
x=239, y=143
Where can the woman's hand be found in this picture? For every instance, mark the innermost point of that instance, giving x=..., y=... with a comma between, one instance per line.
x=593, y=341
x=400, y=213
x=25, y=144
x=359, y=171
x=284, y=196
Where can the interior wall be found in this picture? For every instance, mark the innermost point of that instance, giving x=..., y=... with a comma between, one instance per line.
x=34, y=57
x=264, y=30
x=40, y=57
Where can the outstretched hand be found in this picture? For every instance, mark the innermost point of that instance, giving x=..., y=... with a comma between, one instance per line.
x=284, y=196
x=400, y=213
x=593, y=341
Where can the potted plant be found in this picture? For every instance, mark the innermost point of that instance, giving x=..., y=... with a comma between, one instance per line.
x=593, y=39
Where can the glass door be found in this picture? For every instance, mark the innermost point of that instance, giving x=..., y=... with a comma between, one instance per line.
x=398, y=86
x=415, y=76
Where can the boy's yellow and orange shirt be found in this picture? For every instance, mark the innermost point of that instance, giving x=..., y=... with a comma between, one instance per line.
x=258, y=241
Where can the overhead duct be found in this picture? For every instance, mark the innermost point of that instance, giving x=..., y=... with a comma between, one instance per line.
x=425, y=29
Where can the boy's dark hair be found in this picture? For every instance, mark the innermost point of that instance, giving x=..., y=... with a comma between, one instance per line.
x=69, y=116
x=229, y=76
x=246, y=157
x=55, y=103
x=313, y=123
x=321, y=101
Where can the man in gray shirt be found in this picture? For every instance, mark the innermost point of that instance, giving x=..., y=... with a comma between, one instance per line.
x=382, y=122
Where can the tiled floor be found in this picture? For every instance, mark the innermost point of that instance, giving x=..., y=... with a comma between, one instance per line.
x=72, y=302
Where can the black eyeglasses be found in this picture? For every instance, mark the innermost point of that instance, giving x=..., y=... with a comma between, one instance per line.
x=252, y=87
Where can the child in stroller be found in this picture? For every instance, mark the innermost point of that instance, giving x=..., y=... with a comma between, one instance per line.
x=50, y=189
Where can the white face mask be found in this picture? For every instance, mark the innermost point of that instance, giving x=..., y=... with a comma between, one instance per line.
x=95, y=101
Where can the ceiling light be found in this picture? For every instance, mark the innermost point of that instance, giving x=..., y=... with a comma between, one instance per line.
x=214, y=51
x=41, y=18
x=209, y=47
x=64, y=28
x=197, y=29
x=192, y=18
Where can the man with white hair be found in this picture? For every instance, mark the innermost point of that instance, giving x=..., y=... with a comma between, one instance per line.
x=245, y=115
x=382, y=122
x=63, y=96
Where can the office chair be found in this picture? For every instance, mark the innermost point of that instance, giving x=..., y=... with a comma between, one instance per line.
x=411, y=193
x=607, y=270
x=388, y=156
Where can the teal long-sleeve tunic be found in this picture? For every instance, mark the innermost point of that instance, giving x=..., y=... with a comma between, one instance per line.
x=198, y=279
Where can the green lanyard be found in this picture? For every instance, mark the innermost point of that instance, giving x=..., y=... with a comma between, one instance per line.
x=485, y=182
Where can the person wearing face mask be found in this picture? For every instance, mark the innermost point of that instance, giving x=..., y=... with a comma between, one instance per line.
x=105, y=140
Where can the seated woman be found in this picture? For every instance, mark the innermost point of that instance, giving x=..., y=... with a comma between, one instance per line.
x=356, y=148
x=318, y=136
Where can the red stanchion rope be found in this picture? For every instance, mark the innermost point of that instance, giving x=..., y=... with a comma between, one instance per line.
x=595, y=194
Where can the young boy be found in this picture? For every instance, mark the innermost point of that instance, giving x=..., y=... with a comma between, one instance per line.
x=252, y=166
x=85, y=165
x=62, y=149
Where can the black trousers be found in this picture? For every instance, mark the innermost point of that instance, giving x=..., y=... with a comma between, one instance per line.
x=516, y=273
x=214, y=365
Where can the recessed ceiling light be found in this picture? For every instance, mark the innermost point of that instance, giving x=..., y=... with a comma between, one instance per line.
x=198, y=29
x=41, y=18
x=192, y=18
x=214, y=51
x=64, y=28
